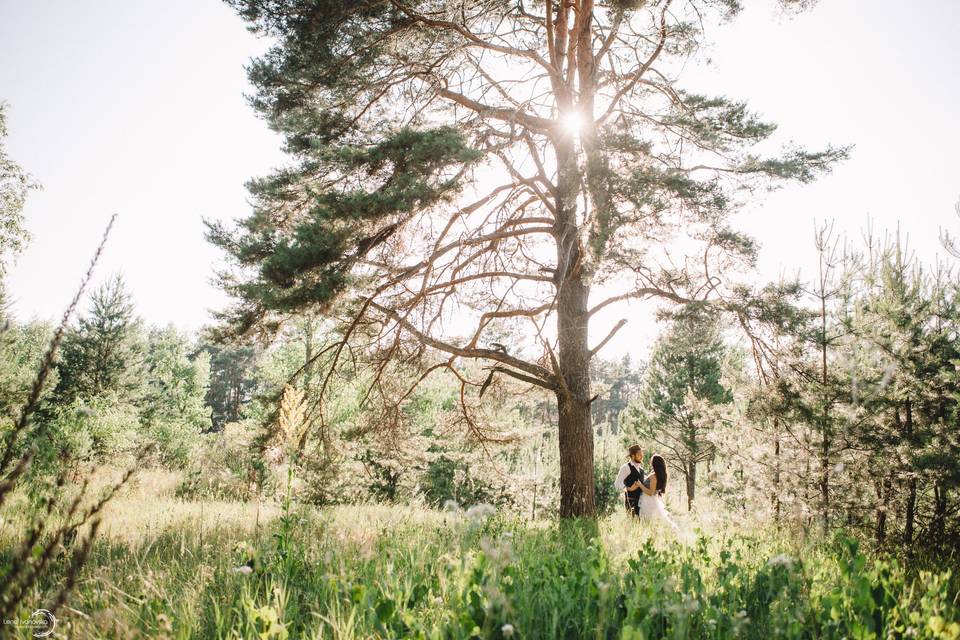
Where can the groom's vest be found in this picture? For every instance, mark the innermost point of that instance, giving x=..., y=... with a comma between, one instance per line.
x=634, y=476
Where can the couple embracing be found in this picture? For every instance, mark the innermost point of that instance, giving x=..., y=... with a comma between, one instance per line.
x=642, y=492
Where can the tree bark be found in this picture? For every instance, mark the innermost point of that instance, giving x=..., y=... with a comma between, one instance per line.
x=825, y=434
x=691, y=484
x=884, y=491
x=573, y=396
x=776, y=472
x=938, y=526
x=911, y=487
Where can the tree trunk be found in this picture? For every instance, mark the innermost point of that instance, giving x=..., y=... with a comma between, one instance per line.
x=910, y=514
x=776, y=472
x=911, y=487
x=938, y=526
x=573, y=396
x=825, y=432
x=884, y=490
x=694, y=449
x=691, y=484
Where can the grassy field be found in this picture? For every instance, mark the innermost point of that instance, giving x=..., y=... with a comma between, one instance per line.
x=170, y=569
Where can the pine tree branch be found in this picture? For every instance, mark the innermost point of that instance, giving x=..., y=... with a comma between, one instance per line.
x=465, y=352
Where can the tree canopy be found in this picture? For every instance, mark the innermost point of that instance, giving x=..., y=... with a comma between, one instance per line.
x=464, y=165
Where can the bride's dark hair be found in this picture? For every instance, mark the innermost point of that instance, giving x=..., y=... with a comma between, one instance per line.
x=660, y=469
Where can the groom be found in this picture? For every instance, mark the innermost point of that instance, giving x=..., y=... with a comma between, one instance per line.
x=630, y=478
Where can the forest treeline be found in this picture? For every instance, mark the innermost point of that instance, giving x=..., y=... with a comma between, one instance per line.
x=839, y=413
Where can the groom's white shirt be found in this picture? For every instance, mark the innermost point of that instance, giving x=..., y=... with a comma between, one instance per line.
x=624, y=472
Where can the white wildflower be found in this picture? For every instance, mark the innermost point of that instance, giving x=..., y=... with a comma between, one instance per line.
x=780, y=561
x=244, y=569
x=507, y=630
x=497, y=551
x=480, y=512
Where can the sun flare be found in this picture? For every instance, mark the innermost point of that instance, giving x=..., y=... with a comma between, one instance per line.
x=572, y=122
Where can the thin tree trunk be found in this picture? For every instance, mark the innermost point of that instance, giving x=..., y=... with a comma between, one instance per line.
x=776, y=472
x=308, y=329
x=938, y=526
x=691, y=484
x=825, y=428
x=911, y=488
x=884, y=490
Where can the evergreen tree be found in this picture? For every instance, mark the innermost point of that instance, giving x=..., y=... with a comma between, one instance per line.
x=105, y=353
x=177, y=381
x=616, y=383
x=232, y=382
x=472, y=162
x=910, y=321
x=681, y=385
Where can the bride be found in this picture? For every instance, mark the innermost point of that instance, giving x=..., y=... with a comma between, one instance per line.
x=651, y=503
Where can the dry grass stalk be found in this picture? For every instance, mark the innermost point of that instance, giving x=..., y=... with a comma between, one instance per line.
x=41, y=541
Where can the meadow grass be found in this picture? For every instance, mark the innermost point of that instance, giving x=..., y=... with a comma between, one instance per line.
x=170, y=569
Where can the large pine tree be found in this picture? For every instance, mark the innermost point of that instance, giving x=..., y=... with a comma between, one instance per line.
x=490, y=161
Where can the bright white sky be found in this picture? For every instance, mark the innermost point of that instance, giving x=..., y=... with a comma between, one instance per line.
x=137, y=108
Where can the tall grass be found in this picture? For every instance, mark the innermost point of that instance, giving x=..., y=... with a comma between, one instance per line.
x=394, y=572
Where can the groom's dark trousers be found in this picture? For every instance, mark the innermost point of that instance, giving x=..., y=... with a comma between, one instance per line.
x=631, y=499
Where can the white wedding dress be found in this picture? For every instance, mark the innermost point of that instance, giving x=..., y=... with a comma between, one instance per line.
x=652, y=508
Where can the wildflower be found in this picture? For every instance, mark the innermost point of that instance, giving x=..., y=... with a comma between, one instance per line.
x=244, y=569
x=164, y=623
x=480, y=512
x=498, y=552
x=936, y=624
x=780, y=561
x=437, y=600
x=507, y=630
